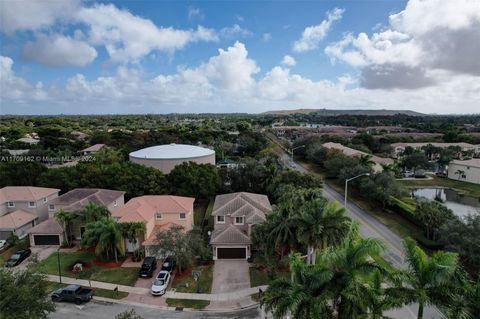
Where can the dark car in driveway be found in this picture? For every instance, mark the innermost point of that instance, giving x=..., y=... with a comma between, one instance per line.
x=148, y=267
x=18, y=257
x=73, y=293
x=168, y=264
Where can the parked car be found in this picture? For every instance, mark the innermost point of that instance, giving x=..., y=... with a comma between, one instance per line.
x=148, y=267
x=168, y=264
x=408, y=174
x=159, y=286
x=441, y=174
x=73, y=293
x=3, y=243
x=18, y=257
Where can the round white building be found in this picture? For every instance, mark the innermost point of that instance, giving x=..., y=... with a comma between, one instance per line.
x=166, y=157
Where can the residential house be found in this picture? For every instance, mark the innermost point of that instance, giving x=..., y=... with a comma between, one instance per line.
x=158, y=212
x=378, y=162
x=399, y=148
x=234, y=216
x=28, y=140
x=22, y=207
x=467, y=171
x=93, y=149
x=74, y=202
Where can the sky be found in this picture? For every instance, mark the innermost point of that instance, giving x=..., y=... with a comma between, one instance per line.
x=131, y=57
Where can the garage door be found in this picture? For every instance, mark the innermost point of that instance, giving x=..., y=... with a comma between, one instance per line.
x=46, y=239
x=231, y=253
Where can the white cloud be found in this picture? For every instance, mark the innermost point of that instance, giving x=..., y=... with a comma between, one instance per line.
x=58, y=50
x=416, y=43
x=226, y=83
x=34, y=15
x=313, y=35
x=288, y=61
x=266, y=37
x=127, y=37
x=234, y=31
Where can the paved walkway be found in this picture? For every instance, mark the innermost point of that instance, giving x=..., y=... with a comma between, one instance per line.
x=228, y=296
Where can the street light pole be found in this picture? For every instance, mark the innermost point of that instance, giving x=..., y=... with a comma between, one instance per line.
x=58, y=261
x=293, y=149
x=346, y=186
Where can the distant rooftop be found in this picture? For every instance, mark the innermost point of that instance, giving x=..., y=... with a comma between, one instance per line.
x=172, y=151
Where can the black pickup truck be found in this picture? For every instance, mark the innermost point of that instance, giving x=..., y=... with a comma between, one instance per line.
x=73, y=293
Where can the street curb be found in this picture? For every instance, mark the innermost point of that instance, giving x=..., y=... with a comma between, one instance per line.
x=138, y=304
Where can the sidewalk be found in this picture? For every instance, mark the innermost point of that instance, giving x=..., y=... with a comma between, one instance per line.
x=229, y=296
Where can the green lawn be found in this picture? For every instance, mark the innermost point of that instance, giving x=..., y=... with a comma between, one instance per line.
x=465, y=188
x=5, y=255
x=188, y=283
x=260, y=278
x=187, y=303
x=122, y=276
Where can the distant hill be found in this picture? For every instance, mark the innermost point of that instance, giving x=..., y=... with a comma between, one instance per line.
x=326, y=112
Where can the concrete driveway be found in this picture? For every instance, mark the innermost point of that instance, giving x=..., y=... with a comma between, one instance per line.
x=42, y=252
x=230, y=275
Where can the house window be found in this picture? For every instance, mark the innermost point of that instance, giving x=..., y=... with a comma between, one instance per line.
x=220, y=219
x=31, y=204
x=51, y=207
x=115, y=203
x=11, y=204
x=238, y=220
x=45, y=199
x=183, y=216
x=158, y=216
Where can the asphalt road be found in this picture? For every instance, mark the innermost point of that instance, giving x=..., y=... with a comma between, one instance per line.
x=107, y=310
x=372, y=228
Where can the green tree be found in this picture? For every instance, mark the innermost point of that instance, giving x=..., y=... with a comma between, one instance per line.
x=106, y=236
x=432, y=215
x=93, y=212
x=65, y=218
x=133, y=230
x=427, y=279
x=128, y=314
x=24, y=295
x=21, y=173
x=380, y=188
x=192, y=179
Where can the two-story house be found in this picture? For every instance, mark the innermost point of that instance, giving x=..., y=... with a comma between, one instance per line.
x=73, y=202
x=22, y=207
x=235, y=215
x=158, y=212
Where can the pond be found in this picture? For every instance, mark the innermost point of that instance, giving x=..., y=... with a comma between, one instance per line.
x=460, y=205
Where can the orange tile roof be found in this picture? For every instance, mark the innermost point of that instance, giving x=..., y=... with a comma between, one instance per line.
x=16, y=219
x=143, y=208
x=25, y=193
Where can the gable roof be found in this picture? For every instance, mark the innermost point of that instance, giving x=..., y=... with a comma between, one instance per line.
x=252, y=206
x=50, y=226
x=143, y=208
x=229, y=235
x=356, y=153
x=16, y=219
x=25, y=193
x=80, y=197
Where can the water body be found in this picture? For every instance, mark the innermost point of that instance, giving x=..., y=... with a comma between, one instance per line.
x=460, y=205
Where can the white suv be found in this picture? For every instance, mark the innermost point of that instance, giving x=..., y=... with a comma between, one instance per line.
x=159, y=286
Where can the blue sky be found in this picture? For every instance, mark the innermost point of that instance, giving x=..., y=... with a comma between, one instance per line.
x=81, y=57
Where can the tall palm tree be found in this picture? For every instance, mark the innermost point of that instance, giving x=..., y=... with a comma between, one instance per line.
x=283, y=226
x=65, y=218
x=427, y=280
x=93, y=212
x=460, y=173
x=351, y=263
x=305, y=296
x=320, y=225
x=366, y=160
x=106, y=236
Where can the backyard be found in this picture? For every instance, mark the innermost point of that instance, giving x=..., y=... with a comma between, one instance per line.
x=92, y=268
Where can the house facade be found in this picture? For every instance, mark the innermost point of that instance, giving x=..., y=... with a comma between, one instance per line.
x=22, y=207
x=73, y=202
x=467, y=171
x=157, y=212
x=235, y=215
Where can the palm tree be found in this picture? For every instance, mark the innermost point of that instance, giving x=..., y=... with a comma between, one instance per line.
x=460, y=173
x=93, y=212
x=320, y=225
x=305, y=296
x=426, y=279
x=366, y=160
x=65, y=218
x=351, y=263
x=106, y=236
x=283, y=225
